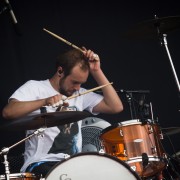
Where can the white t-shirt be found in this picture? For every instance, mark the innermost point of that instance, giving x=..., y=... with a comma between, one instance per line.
x=56, y=141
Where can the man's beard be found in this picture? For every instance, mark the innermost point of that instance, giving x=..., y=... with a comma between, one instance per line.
x=62, y=90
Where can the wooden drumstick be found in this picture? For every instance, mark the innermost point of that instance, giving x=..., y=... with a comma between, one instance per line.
x=62, y=39
x=69, y=43
x=90, y=90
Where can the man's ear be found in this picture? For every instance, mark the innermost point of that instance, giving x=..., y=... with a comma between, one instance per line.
x=60, y=71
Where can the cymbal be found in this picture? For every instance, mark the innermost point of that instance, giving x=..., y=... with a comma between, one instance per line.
x=45, y=120
x=148, y=29
x=170, y=130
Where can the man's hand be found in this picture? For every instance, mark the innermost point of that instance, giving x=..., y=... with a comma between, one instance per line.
x=57, y=100
x=94, y=60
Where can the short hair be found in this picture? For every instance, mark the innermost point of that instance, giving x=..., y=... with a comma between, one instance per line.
x=71, y=58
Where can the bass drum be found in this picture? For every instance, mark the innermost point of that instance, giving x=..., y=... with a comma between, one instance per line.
x=92, y=165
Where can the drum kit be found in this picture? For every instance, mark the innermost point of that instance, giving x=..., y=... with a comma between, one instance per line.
x=132, y=150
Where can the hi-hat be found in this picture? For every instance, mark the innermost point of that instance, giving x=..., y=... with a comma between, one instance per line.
x=150, y=28
x=171, y=130
x=45, y=120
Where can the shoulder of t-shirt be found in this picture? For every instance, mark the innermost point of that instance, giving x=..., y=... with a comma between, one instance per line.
x=36, y=82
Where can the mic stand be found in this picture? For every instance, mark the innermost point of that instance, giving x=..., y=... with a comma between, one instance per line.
x=6, y=163
x=5, y=150
x=130, y=102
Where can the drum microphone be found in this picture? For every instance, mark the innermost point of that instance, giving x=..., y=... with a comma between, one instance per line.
x=11, y=12
x=145, y=159
x=142, y=100
x=43, y=110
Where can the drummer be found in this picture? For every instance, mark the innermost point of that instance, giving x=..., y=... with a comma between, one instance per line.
x=72, y=70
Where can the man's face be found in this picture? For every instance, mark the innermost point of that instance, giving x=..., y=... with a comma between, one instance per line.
x=73, y=81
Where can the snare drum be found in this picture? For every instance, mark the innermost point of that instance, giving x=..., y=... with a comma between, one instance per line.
x=137, y=144
x=92, y=165
x=20, y=176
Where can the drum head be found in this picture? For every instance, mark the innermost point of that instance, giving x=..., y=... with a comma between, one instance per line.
x=123, y=123
x=88, y=166
x=130, y=122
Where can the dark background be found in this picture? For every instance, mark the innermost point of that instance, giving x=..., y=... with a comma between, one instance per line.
x=139, y=63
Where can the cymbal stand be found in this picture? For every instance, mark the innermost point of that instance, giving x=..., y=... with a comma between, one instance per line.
x=170, y=59
x=5, y=150
x=163, y=41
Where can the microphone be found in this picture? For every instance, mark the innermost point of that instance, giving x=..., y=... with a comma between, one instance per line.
x=143, y=108
x=145, y=159
x=13, y=17
x=43, y=110
x=11, y=12
x=142, y=99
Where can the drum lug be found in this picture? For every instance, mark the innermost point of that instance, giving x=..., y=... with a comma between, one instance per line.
x=154, y=150
x=133, y=168
x=67, y=156
x=121, y=132
x=150, y=129
x=161, y=136
x=125, y=153
x=101, y=151
x=165, y=156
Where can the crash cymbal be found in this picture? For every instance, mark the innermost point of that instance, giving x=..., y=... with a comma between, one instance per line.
x=170, y=130
x=149, y=29
x=46, y=119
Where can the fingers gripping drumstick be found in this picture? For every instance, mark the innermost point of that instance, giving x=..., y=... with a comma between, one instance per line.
x=90, y=90
x=67, y=42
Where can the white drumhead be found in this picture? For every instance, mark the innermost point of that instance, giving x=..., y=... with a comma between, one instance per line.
x=130, y=122
x=92, y=166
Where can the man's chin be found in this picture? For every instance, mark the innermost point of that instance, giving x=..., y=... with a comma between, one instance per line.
x=68, y=94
